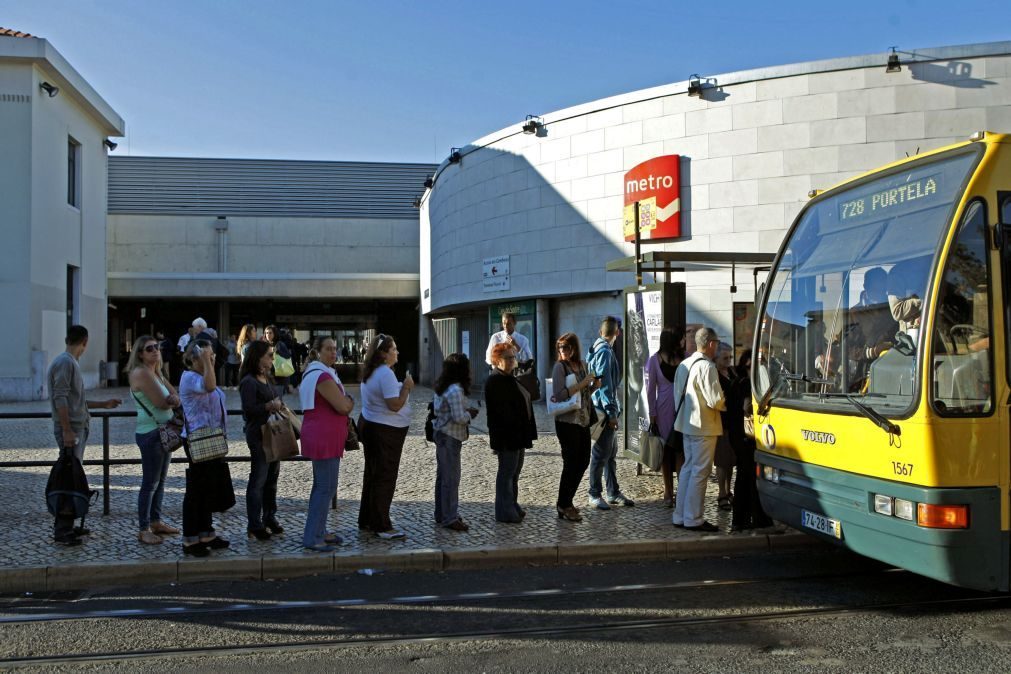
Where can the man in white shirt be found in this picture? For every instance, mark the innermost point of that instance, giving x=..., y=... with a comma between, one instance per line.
x=698, y=419
x=509, y=335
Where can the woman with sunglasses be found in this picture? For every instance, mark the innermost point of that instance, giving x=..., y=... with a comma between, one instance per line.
x=156, y=399
x=572, y=428
x=511, y=430
x=260, y=398
x=385, y=419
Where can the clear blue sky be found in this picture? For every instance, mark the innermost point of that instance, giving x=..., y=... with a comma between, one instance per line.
x=404, y=80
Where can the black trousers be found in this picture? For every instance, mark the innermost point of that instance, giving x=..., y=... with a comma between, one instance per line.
x=747, y=508
x=382, y=446
x=575, y=442
x=196, y=514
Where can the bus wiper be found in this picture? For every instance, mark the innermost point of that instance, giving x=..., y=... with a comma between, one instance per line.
x=765, y=402
x=807, y=380
x=880, y=421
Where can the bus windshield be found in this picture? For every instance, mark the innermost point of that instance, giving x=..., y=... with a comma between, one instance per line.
x=844, y=305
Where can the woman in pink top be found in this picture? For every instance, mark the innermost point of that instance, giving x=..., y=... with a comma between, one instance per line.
x=324, y=430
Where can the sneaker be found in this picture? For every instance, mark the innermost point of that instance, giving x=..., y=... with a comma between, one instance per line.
x=599, y=503
x=320, y=548
x=705, y=526
x=390, y=535
x=620, y=499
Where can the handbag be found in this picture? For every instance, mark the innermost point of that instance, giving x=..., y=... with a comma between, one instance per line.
x=294, y=420
x=650, y=449
x=529, y=380
x=170, y=433
x=570, y=404
x=206, y=444
x=597, y=429
x=351, y=444
x=278, y=438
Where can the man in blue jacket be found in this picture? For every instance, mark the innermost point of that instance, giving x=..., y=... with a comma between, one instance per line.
x=606, y=399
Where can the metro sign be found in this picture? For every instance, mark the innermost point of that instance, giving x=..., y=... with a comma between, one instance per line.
x=655, y=185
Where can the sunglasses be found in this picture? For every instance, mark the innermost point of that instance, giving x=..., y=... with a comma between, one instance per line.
x=151, y=348
x=564, y=347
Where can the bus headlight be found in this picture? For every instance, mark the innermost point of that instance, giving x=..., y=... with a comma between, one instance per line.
x=904, y=509
x=883, y=505
x=771, y=474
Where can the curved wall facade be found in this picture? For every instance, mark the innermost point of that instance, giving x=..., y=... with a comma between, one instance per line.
x=751, y=147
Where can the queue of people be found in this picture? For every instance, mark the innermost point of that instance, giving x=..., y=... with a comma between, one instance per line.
x=695, y=404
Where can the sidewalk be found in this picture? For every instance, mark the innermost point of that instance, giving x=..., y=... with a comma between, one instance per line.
x=111, y=555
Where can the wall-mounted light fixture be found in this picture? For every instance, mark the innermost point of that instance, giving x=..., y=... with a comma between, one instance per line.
x=694, y=85
x=429, y=183
x=533, y=124
x=454, y=155
x=109, y=144
x=49, y=89
x=894, y=65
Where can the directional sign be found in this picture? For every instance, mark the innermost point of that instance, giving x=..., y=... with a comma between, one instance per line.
x=495, y=276
x=654, y=186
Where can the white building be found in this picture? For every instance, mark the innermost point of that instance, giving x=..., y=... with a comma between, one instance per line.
x=53, y=190
x=317, y=247
x=548, y=206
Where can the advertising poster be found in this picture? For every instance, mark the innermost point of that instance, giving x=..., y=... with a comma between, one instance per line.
x=644, y=320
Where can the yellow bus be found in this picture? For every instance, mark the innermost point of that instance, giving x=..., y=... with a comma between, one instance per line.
x=881, y=375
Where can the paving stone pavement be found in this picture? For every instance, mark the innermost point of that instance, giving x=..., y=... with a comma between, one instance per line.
x=27, y=526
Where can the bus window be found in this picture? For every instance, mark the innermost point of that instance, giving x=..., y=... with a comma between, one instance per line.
x=962, y=358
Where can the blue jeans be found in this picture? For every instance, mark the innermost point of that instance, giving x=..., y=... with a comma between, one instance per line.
x=154, y=463
x=447, y=478
x=602, y=456
x=510, y=463
x=324, y=486
x=261, y=490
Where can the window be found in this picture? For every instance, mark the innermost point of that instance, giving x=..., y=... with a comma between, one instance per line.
x=73, y=173
x=962, y=360
x=843, y=309
x=73, y=295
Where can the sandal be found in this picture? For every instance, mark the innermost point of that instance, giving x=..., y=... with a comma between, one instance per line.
x=723, y=503
x=149, y=537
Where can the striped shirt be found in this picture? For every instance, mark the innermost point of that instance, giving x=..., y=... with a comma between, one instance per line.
x=451, y=415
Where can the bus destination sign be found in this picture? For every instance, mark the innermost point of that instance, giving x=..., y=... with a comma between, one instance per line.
x=881, y=202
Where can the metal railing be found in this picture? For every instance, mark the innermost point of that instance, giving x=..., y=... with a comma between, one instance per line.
x=106, y=462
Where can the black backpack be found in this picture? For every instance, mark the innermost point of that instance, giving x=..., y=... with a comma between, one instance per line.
x=429, y=421
x=67, y=491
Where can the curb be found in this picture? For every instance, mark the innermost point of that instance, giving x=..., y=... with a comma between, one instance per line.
x=274, y=567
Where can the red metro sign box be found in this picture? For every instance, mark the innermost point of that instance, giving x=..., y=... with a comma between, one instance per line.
x=655, y=186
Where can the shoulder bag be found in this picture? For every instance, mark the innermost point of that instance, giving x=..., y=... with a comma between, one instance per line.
x=206, y=444
x=352, y=444
x=650, y=448
x=170, y=433
x=283, y=367
x=570, y=404
x=676, y=439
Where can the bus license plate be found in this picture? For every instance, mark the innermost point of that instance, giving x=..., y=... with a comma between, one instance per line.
x=820, y=523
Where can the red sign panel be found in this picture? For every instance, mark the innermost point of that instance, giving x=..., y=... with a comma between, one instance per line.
x=653, y=189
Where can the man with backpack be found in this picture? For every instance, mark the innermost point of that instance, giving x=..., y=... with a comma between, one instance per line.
x=71, y=420
x=603, y=363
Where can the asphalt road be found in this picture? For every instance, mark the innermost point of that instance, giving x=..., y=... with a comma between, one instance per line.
x=816, y=611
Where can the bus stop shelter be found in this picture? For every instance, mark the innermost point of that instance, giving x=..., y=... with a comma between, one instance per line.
x=649, y=307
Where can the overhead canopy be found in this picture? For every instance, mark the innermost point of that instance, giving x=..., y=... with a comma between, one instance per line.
x=665, y=262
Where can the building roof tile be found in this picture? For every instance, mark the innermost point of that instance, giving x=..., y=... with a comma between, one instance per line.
x=10, y=32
